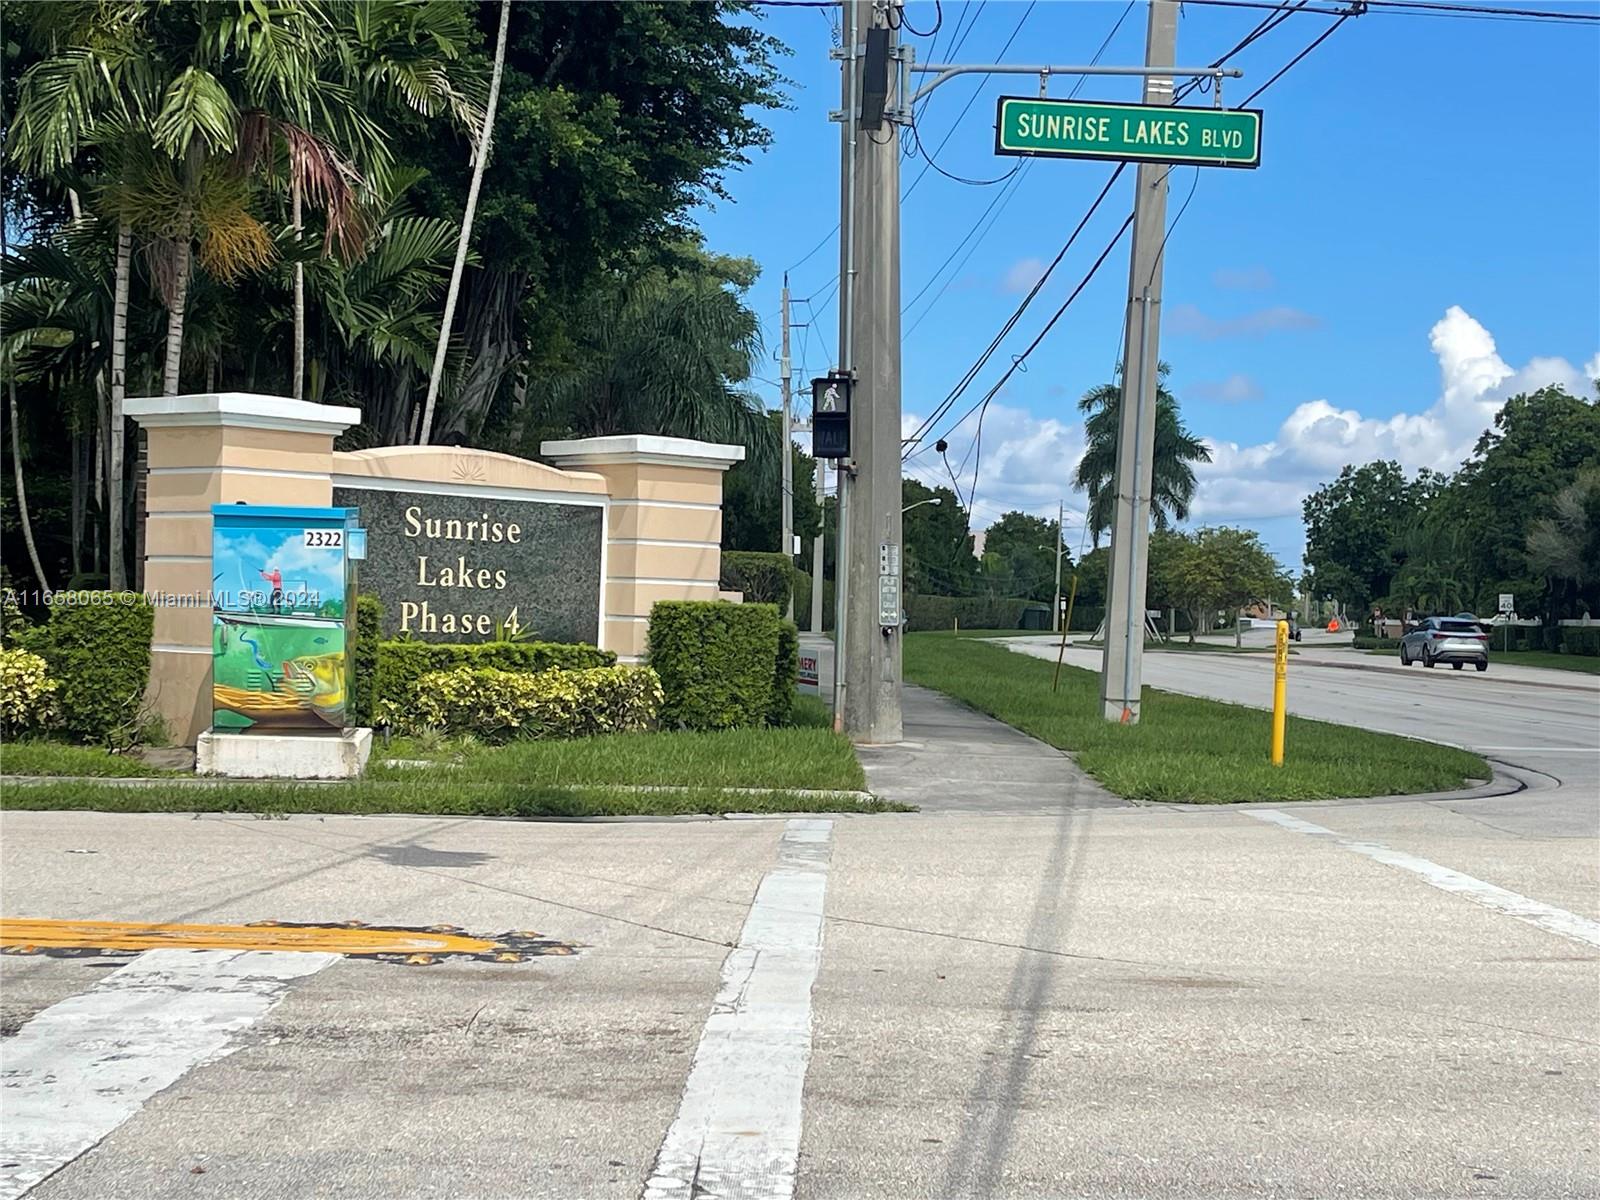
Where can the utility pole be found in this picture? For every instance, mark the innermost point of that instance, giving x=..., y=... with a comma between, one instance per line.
x=849, y=76
x=1055, y=612
x=1123, y=664
x=871, y=544
x=788, y=442
x=817, y=469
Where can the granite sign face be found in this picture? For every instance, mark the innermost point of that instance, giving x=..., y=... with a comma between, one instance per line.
x=452, y=568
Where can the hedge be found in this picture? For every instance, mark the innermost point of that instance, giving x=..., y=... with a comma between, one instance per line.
x=500, y=705
x=364, y=658
x=787, y=676
x=763, y=578
x=973, y=612
x=1366, y=641
x=716, y=662
x=96, y=646
x=802, y=601
x=1581, y=639
x=401, y=663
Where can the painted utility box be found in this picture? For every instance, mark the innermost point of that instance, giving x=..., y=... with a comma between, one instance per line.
x=283, y=601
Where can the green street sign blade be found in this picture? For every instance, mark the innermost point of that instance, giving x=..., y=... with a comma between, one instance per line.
x=1206, y=137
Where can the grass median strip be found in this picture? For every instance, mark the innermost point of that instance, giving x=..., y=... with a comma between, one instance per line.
x=432, y=796
x=58, y=758
x=788, y=758
x=665, y=773
x=1184, y=749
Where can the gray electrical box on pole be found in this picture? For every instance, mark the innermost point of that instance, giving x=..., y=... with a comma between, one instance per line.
x=1122, y=671
x=870, y=543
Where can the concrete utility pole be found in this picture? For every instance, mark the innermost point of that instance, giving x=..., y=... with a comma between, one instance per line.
x=871, y=544
x=1055, y=612
x=1122, y=672
x=788, y=442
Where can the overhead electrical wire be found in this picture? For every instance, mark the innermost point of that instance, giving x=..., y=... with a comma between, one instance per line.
x=997, y=206
x=1419, y=8
x=1019, y=361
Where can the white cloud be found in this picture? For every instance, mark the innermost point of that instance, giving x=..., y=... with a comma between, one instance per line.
x=1317, y=439
x=1244, y=279
x=1188, y=319
x=1024, y=273
x=1235, y=389
x=1026, y=463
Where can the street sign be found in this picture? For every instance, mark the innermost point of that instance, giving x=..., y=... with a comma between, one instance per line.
x=1508, y=602
x=1029, y=126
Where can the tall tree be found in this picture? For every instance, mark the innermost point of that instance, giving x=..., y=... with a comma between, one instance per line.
x=1354, y=527
x=481, y=151
x=1176, y=449
x=1019, y=556
x=666, y=350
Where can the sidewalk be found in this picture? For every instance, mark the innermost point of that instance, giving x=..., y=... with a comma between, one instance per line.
x=957, y=760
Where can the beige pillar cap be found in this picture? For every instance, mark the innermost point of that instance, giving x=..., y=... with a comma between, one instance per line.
x=643, y=448
x=241, y=409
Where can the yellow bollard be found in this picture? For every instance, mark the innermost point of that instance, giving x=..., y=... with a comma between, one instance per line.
x=1280, y=692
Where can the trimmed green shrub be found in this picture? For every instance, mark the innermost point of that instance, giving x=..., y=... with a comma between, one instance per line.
x=763, y=578
x=1366, y=641
x=27, y=693
x=500, y=705
x=716, y=662
x=364, y=658
x=974, y=612
x=96, y=646
x=787, y=676
x=401, y=663
x=1581, y=639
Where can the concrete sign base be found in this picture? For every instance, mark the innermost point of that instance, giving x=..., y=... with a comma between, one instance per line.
x=282, y=755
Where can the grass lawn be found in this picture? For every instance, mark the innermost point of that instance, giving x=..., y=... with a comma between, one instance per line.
x=806, y=759
x=1184, y=749
x=426, y=793
x=58, y=758
x=739, y=770
x=1582, y=663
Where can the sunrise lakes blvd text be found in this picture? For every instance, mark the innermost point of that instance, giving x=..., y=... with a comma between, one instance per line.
x=1119, y=131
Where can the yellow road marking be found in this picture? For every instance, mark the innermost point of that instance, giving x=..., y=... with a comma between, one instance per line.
x=27, y=935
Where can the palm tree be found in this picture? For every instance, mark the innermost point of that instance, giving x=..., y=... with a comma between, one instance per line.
x=1173, y=480
x=665, y=351
x=481, y=160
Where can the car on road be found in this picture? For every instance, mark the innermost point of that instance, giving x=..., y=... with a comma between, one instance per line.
x=1454, y=640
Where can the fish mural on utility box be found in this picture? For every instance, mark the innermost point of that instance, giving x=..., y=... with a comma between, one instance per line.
x=280, y=606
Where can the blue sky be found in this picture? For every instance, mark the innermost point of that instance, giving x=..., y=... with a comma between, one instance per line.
x=1420, y=242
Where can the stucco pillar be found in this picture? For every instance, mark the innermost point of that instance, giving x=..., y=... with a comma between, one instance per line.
x=664, y=535
x=204, y=450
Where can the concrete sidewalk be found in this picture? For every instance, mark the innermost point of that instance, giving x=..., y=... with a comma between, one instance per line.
x=957, y=760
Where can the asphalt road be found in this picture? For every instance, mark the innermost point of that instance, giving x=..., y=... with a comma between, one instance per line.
x=1058, y=995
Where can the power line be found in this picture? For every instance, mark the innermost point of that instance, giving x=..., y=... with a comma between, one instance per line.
x=956, y=124
x=976, y=453
x=1419, y=8
x=998, y=205
x=983, y=359
x=1280, y=13
x=938, y=20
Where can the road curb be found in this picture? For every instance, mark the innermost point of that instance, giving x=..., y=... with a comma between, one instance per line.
x=1503, y=783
